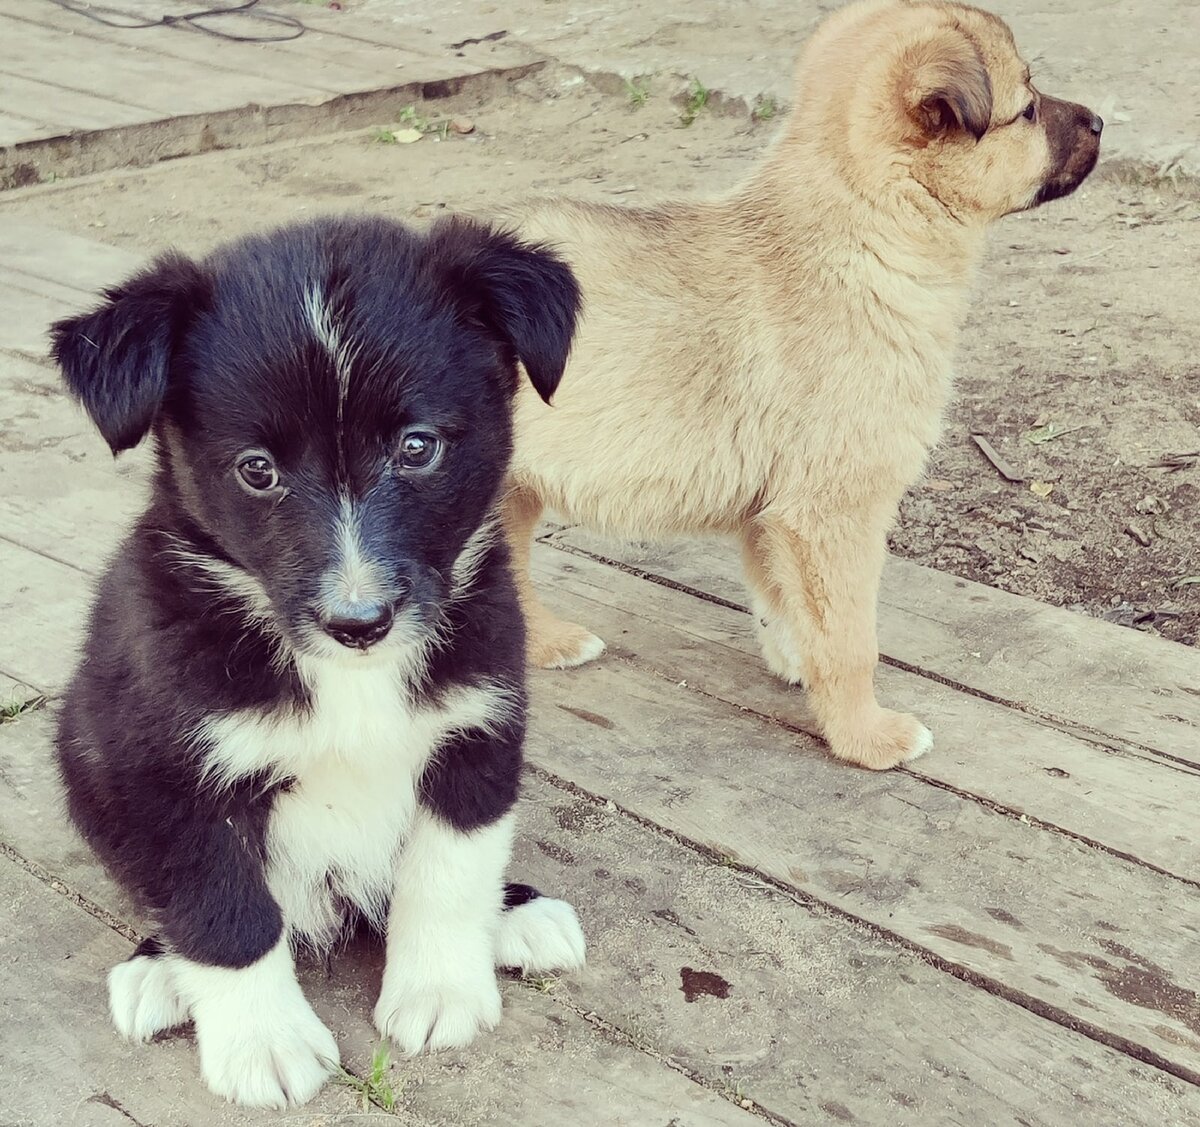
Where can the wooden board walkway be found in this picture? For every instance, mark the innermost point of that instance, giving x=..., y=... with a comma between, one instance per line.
x=77, y=96
x=1004, y=932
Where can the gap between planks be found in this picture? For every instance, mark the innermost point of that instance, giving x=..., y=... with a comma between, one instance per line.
x=1108, y=658
x=993, y=986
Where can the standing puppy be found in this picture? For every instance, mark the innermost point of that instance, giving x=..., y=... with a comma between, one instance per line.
x=302, y=692
x=773, y=365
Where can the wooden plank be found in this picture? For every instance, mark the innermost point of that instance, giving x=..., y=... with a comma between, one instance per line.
x=544, y=1064
x=43, y=605
x=63, y=1063
x=14, y=130
x=821, y=1018
x=62, y=494
x=1136, y=806
x=113, y=71
x=1122, y=683
x=1051, y=923
x=328, y=66
x=63, y=109
x=38, y=251
x=651, y=908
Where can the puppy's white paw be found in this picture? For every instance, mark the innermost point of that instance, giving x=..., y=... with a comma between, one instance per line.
x=922, y=742
x=143, y=999
x=446, y=1014
x=264, y=1057
x=540, y=935
x=590, y=647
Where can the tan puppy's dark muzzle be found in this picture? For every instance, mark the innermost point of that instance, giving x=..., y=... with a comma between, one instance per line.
x=1074, y=135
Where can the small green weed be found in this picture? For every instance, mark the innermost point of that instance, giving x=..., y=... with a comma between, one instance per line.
x=543, y=984
x=376, y=1088
x=383, y=136
x=765, y=108
x=637, y=91
x=12, y=710
x=697, y=99
x=413, y=119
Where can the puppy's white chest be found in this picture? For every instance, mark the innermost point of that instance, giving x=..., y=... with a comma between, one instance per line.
x=352, y=762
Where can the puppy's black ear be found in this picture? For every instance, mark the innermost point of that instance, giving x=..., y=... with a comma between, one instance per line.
x=116, y=359
x=522, y=292
x=946, y=85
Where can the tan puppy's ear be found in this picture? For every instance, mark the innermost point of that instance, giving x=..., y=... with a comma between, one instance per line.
x=946, y=85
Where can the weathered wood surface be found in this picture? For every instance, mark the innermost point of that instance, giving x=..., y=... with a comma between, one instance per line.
x=820, y=1014
x=63, y=1063
x=1004, y=932
x=81, y=97
x=1056, y=664
x=1140, y=807
x=546, y=1063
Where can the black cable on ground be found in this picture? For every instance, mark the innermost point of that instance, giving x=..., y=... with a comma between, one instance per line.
x=249, y=9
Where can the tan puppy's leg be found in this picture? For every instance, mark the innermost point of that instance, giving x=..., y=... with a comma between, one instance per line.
x=823, y=583
x=776, y=639
x=551, y=643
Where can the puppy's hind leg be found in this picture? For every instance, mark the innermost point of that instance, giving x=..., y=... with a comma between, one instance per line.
x=776, y=638
x=822, y=576
x=552, y=643
x=537, y=933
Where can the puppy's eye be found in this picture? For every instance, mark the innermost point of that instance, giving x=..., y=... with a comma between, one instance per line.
x=258, y=473
x=1029, y=113
x=419, y=450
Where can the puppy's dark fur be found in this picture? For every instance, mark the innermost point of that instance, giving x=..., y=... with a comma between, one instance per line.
x=314, y=360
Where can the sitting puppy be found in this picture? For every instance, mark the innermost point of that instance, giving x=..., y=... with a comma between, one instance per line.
x=301, y=698
x=772, y=365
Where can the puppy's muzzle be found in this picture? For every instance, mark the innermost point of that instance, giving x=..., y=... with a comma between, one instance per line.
x=1073, y=132
x=359, y=625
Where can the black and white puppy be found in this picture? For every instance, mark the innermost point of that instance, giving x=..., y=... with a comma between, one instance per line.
x=302, y=692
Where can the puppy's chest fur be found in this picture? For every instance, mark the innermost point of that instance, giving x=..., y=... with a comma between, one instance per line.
x=352, y=761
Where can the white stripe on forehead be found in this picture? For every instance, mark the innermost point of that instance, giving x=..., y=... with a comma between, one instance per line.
x=329, y=335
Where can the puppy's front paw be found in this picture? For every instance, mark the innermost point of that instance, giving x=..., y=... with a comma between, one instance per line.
x=893, y=738
x=554, y=644
x=267, y=1057
x=445, y=1014
x=540, y=935
x=143, y=999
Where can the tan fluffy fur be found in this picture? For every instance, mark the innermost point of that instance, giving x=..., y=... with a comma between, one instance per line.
x=773, y=364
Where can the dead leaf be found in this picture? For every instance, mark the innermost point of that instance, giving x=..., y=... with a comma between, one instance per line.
x=939, y=485
x=1186, y=581
x=1041, y=488
x=406, y=136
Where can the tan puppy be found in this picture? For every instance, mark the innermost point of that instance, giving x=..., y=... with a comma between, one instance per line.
x=773, y=364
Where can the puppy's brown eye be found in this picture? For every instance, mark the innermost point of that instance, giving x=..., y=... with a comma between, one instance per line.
x=258, y=473
x=419, y=450
x=1029, y=113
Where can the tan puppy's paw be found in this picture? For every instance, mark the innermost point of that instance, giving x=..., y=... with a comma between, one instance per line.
x=893, y=738
x=554, y=644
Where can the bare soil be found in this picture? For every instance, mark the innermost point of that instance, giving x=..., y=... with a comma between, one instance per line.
x=1084, y=320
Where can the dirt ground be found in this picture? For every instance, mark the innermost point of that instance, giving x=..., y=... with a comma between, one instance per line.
x=1083, y=334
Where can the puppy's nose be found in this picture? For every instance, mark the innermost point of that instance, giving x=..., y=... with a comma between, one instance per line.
x=359, y=626
x=1097, y=124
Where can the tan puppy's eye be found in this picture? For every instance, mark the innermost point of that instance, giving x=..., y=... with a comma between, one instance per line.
x=1029, y=113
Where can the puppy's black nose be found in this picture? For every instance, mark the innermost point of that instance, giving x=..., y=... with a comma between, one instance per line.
x=360, y=626
x=1097, y=124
